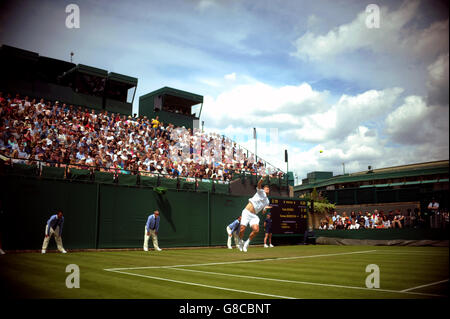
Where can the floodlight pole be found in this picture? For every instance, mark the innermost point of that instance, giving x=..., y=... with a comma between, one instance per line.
x=201, y=108
x=287, y=168
x=287, y=160
x=256, y=144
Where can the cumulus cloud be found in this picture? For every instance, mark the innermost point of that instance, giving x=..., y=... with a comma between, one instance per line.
x=259, y=104
x=438, y=81
x=356, y=35
x=345, y=116
x=396, y=54
x=359, y=130
x=395, y=35
x=416, y=123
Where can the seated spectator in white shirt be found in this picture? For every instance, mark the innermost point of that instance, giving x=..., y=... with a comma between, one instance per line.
x=354, y=225
x=386, y=222
x=433, y=207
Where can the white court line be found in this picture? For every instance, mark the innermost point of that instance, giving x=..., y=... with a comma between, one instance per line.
x=431, y=284
x=205, y=286
x=406, y=291
x=244, y=261
x=412, y=253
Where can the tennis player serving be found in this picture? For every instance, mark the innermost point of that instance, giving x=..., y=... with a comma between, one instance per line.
x=259, y=202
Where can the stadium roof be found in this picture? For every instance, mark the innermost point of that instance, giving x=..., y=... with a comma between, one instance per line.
x=89, y=70
x=419, y=169
x=122, y=78
x=193, y=98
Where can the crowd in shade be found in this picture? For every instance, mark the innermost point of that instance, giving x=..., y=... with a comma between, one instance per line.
x=411, y=218
x=362, y=220
x=54, y=134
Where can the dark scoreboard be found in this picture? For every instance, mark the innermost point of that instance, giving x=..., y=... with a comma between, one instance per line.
x=289, y=216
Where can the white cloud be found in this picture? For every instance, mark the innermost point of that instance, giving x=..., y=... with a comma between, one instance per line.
x=346, y=115
x=231, y=76
x=255, y=103
x=396, y=54
x=415, y=123
x=369, y=128
x=438, y=81
x=356, y=35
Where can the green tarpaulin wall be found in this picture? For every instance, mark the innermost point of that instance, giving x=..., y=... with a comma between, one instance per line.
x=101, y=215
x=27, y=204
x=385, y=234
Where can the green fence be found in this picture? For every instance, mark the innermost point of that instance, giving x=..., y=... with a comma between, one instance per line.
x=103, y=215
x=28, y=203
x=120, y=177
x=386, y=234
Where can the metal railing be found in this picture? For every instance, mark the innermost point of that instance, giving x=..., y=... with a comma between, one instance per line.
x=256, y=156
x=117, y=173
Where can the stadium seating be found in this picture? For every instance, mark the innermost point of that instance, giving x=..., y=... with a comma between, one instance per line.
x=164, y=151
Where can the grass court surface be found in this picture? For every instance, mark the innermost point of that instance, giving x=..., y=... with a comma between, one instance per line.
x=282, y=272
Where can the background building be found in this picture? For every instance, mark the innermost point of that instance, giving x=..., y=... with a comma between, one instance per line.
x=36, y=76
x=415, y=183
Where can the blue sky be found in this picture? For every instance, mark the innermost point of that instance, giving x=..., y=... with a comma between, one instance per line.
x=309, y=72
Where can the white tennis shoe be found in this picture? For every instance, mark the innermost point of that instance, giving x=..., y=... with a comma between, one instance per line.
x=246, y=244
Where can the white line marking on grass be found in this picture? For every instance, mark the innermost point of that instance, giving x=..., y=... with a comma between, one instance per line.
x=201, y=285
x=412, y=253
x=244, y=261
x=422, y=286
x=311, y=283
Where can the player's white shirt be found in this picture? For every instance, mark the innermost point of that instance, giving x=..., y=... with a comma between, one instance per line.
x=259, y=200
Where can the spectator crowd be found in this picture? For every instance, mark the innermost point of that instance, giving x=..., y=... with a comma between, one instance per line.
x=57, y=134
x=381, y=220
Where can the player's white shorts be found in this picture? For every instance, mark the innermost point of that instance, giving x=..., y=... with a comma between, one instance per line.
x=248, y=218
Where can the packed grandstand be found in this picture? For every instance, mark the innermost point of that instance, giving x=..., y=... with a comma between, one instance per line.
x=50, y=133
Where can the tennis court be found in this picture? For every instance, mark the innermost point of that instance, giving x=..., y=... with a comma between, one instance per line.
x=285, y=272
